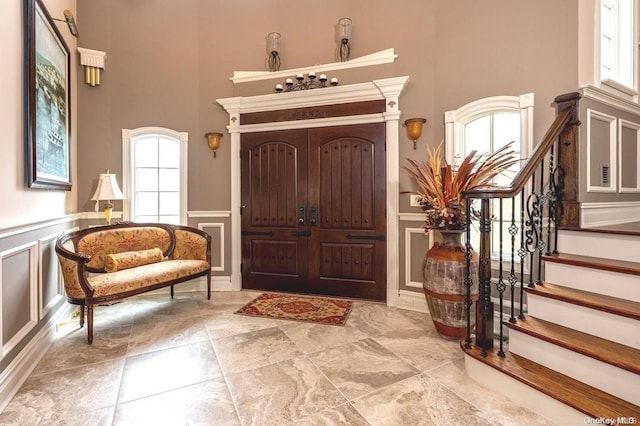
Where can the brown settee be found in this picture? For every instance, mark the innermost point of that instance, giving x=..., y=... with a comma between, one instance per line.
x=112, y=262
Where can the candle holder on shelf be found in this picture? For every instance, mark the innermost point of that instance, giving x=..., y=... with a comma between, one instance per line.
x=308, y=83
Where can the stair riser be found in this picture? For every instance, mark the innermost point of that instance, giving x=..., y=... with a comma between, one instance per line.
x=613, y=284
x=608, y=246
x=615, y=328
x=519, y=392
x=615, y=381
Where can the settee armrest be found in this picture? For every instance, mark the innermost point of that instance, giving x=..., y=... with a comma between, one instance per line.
x=191, y=243
x=73, y=267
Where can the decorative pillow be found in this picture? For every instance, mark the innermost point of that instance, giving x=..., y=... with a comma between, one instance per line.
x=131, y=259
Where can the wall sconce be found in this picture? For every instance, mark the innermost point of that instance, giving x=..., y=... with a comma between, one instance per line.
x=214, y=141
x=107, y=190
x=344, y=35
x=71, y=22
x=273, y=51
x=93, y=62
x=414, y=129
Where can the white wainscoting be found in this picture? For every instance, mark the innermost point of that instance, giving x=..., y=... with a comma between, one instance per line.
x=206, y=219
x=29, y=252
x=220, y=245
x=408, y=299
x=609, y=213
x=48, y=244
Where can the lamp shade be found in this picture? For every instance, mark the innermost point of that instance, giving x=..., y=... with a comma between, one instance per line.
x=108, y=188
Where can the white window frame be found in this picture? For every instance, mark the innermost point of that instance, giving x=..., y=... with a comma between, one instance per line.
x=625, y=39
x=128, y=135
x=456, y=120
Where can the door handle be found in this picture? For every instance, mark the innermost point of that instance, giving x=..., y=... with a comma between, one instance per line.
x=314, y=215
x=302, y=215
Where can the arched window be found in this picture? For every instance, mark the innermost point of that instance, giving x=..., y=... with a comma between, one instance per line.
x=486, y=125
x=617, y=40
x=155, y=175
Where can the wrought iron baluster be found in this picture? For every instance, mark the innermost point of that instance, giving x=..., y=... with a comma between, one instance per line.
x=522, y=253
x=557, y=187
x=501, y=285
x=541, y=244
x=552, y=199
x=513, y=230
x=531, y=230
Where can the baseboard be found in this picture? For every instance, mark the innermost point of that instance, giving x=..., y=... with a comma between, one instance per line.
x=602, y=214
x=17, y=372
x=412, y=301
x=218, y=283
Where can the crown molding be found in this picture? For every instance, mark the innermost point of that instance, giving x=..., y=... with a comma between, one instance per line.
x=382, y=57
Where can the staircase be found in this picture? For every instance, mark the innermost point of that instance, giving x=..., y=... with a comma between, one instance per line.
x=576, y=354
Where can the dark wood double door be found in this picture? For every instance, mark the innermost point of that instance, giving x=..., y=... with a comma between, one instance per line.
x=313, y=216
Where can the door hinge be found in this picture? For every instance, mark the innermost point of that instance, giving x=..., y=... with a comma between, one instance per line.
x=241, y=267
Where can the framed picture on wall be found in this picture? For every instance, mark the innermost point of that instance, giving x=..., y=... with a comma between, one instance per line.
x=47, y=97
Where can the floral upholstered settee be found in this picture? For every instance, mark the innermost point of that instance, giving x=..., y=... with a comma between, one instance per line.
x=112, y=262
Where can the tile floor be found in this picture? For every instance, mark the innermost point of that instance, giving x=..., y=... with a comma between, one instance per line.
x=191, y=361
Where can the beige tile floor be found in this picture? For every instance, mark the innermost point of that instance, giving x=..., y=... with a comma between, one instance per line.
x=157, y=361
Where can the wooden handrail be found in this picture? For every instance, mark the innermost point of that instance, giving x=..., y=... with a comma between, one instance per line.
x=535, y=157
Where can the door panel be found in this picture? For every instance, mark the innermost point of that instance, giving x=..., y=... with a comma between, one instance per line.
x=274, y=188
x=348, y=244
x=314, y=220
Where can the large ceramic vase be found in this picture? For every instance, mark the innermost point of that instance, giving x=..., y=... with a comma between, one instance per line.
x=444, y=285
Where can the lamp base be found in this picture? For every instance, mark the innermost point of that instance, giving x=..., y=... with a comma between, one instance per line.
x=108, y=212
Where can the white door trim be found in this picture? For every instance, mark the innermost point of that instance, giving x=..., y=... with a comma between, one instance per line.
x=388, y=89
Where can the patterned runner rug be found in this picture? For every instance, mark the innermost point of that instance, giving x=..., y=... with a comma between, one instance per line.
x=318, y=310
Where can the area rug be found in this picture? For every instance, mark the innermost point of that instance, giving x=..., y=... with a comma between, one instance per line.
x=317, y=310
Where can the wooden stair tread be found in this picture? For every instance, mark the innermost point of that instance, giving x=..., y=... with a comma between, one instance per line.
x=632, y=229
x=610, y=304
x=616, y=354
x=584, y=398
x=613, y=265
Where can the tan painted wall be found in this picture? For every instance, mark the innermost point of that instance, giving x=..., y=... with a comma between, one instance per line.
x=168, y=61
x=20, y=205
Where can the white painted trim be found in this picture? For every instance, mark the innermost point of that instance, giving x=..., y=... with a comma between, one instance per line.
x=412, y=301
x=128, y=135
x=407, y=254
x=387, y=89
x=17, y=372
x=633, y=126
x=212, y=213
x=611, y=120
x=32, y=248
x=42, y=308
x=220, y=226
x=600, y=95
x=314, y=123
x=455, y=120
x=306, y=98
x=608, y=213
x=411, y=217
x=18, y=229
x=378, y=58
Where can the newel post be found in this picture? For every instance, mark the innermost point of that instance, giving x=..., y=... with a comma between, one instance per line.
x=484, y=307
x=567, y=178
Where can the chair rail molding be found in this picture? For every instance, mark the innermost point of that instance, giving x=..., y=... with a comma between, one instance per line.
x=384, y=89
